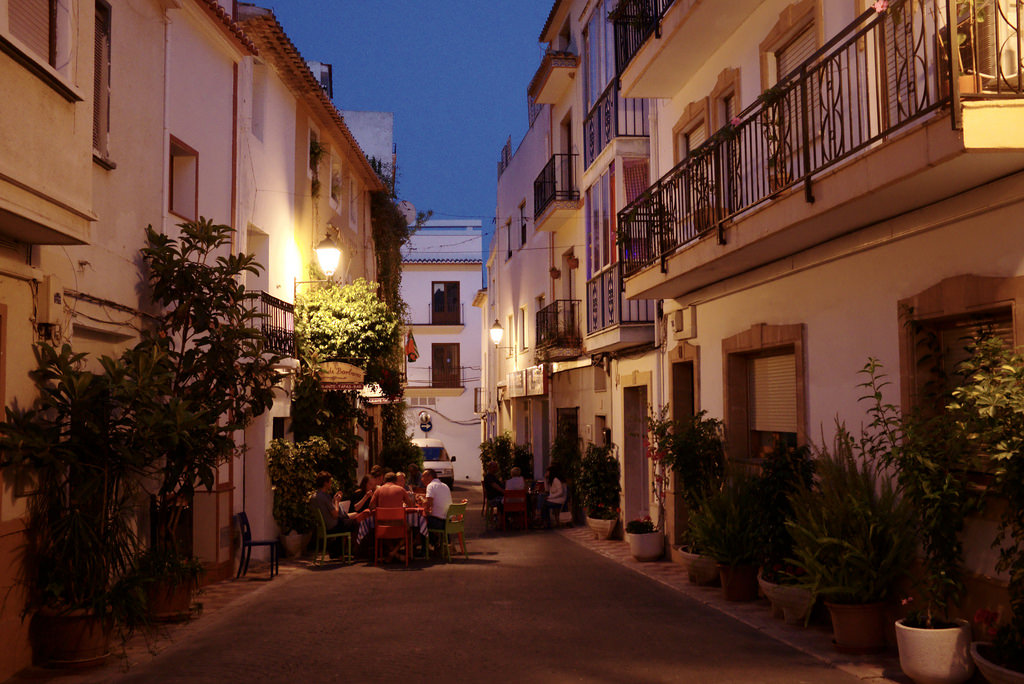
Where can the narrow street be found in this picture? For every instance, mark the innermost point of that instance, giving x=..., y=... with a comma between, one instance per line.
x=534, y=606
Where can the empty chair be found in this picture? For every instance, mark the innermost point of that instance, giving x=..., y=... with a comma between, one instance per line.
x=248, y=542
x=390, y=523
x=323, y=537
x=454, y=525
x=515, y=505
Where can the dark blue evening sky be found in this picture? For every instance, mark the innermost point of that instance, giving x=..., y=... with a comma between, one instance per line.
x=454, y=72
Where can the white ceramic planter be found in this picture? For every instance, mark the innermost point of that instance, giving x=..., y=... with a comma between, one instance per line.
x=935, y=656
x=995, y=674
x=294, y=543
x=647, y=546
x=789, y=602
x=702, y=570
x=602, y=528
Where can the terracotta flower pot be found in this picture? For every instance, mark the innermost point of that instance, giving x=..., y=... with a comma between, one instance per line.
x=701, y=570
x=858, y=627
x=169, y=602
x=602, y=528
x=995, y=674
x=935, y=656
x=646, y=546
x=739, y=582
x=75, y=638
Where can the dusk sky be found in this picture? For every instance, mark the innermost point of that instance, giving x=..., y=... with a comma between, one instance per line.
x=454, y=72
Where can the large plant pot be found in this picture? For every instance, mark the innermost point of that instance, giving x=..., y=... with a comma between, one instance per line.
x=701, y=570
x=935, y=656
x=169, y=602
x=858, y=627
x=995, y=674
x=646, y=546
x=739, y=582
x=295, y=542
x=602, y=528
x=789, y=602
x=75, y=638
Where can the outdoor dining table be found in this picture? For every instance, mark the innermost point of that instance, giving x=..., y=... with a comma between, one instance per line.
x=413, y=515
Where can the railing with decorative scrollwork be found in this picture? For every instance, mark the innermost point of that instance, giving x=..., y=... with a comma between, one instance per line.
x=277, y=321
x=882, y=72
x=612, y=117
x=606, y=306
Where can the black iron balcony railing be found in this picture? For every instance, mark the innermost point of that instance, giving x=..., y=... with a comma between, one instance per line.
x=607, y=308
x=880, y=73
x=988, y=54
x=612, y=117
x=555, y=183
x=558, y=325
x=446, y=376
x=635, y=21
x=277, y=321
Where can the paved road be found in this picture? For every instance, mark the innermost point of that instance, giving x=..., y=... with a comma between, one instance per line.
x=526, y=607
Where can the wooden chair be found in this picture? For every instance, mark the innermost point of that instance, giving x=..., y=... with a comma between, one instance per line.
x=322, y=538
x=390, y=523
x=515, y=505
x=248, y=542
x=454, y=524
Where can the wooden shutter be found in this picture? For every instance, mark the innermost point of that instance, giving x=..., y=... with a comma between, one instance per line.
x=772, y=393
x=696, y=137
x=101, y=81
x=31, y=22
x=796, y=52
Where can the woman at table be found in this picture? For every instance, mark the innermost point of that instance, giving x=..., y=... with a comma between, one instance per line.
x=555, y=497
x=361, y=498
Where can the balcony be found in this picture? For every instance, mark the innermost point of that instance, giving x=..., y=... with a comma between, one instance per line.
x=456, y=317
x=558, y=331
x=612, y=117
x=657, y=40
x=428, y=378
x=862, y=127
x=556, y=197
x=554, y=76
x=614, y=322
x=277, y=322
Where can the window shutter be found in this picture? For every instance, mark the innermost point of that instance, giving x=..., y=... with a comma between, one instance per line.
x=696, y=137
x=796, y=52
x=101, y=81
x=29, y=22
x=772, y=393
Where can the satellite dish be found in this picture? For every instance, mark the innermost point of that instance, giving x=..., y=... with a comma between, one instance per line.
x=406, y=209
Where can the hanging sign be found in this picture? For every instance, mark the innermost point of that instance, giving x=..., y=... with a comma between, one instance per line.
x=339, y=376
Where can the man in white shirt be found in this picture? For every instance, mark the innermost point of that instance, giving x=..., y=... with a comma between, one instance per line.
x=438, y=498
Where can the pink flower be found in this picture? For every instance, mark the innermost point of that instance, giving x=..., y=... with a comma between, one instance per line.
x=735, y=121
x=880, y=6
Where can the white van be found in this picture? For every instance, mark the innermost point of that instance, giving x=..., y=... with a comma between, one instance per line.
x=436, y=456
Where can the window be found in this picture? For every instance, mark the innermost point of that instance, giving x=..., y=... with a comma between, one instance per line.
x=336, y=181
x=771, y=402
x=259, y=99
x=508, y=235
x=444, y=368
x=44, y=27
x=522, y=225
x=521, y=328
x=445, y=303
x=315, y=153
x=101, y=82
x=598, y=53
x=599, y=211
x=184, y=190
x=691, y=130
x=353, y=203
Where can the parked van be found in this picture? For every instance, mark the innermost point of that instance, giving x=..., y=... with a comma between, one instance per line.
x=436, y=456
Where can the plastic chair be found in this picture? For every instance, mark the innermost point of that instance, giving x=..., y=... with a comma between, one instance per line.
x=492, y=516
x=515, y=505
x=322, y=539
x=248, y=542
x=454, y=524
x=390, y=523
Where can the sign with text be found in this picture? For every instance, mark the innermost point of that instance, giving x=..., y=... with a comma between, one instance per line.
x=338, y=375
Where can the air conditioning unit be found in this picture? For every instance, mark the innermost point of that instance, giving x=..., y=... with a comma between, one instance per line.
x=684, y=321
x=50, y=301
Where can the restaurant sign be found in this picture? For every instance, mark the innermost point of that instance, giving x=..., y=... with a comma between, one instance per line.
x=517, y=384
x=372, y=394
x=338, y=376
x=536, y=381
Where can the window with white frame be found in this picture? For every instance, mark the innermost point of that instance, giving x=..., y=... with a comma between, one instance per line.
x=599, y=208
x=44, y=27
x=184, y=180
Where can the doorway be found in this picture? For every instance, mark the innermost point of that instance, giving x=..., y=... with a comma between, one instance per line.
x=636, y=500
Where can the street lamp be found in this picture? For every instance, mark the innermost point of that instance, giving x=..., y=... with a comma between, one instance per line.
x=328, y=255
x=497, y=332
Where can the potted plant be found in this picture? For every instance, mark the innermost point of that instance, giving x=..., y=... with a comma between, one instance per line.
x=555, y=273
x=991, y=407
x=599, y=488
x=725, y=527
x=783, y=470
x=292, y=469
x=82, y=447
x=929, y=453
x=852, y=534
x=645, y=542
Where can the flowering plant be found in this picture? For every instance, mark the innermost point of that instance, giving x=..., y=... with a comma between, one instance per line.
x=642, y=525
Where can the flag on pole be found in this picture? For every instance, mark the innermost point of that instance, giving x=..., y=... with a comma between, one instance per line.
x=411, y=352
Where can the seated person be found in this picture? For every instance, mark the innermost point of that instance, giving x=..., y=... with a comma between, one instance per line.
x=414, y=475
x=555, y=498
x=391, y=494
x=493, y=489
x=436, y=500
x=335, y=520
x=516, y=481
x=361, y=498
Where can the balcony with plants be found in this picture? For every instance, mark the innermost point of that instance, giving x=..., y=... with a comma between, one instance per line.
x=871, y=126
x=614, y=322
x=556, y=193
x=559, y=336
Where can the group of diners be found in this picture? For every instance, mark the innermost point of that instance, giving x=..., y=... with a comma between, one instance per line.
x=550, y=493
x=381, y=488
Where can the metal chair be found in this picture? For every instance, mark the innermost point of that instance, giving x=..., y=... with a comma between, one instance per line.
x=390, y=523
x=323, y=537
x=454, y=524
x=248, y=542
